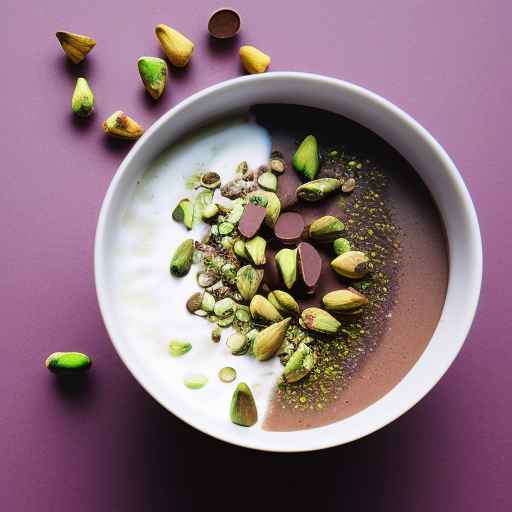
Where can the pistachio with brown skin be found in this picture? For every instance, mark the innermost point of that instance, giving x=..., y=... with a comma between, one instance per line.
x=351, y=264
x=344, y=300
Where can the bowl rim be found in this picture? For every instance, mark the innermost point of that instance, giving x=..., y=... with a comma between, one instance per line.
x=410, y=123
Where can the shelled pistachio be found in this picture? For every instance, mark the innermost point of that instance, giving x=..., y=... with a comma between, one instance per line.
x=318, y=320
x=351, y=264
x=268, y=341
x=300, y=363
x=248, y=280
x=68, y=363
x=178, y=348
x=263, y=310
x=243, y=410
x=344, y=300
x=326, y=229
x=306, y=160
x=184, y=212
x=283, y=302
x=286, y=260
x=255, y=248
x=182, y=259
x=318, y=189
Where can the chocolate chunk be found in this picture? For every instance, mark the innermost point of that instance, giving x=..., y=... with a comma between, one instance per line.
x=289, y=228
x=251, y=220
x=224, y=23
x=310, y=266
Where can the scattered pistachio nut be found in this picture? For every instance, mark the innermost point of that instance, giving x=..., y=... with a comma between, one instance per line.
x=243, y=410
x=255, y=248
x=121, y=126
x=284, y=302
x=277, y=164
x=201, y=201
x=227, y=374
x=236, y=212
x=226, y=321
x=300, y=363
x=242, y=167
x=225, y=228
x=153, y=72
x=82, y=101
x=254, y=60
x=175, y=45
x=225, y=307
x=248, y=280
x=179, y=348
x=207, y=279
x=184, y=212
x=75, y=46
x=216, y=334
x=208, y=302
x=210, y=212
x=68, y=363
x=341, y=245
x=268, y=181
x=318, y=189
x=344, y=300
x=286, y=260
x=268, y=341
x=239, y=249
x=237, y=343
x=263, y=310
x=210, y=180
x=195, y=381
x=351, y=264
x=326, y=229
x=242, y=314
x=305, y=160
x=182, y=259
x=194, y=302
x=316, y=319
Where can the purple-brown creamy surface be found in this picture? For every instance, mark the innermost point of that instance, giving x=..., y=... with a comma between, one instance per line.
x=416, y=273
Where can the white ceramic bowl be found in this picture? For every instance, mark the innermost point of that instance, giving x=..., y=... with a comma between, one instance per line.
x=398, y=129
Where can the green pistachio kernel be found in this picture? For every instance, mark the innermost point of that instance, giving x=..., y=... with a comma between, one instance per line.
x=179, y=348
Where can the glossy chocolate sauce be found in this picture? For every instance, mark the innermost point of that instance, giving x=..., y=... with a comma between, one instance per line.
x=417, y=271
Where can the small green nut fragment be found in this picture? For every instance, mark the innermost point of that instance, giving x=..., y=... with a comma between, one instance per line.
x=243, y=410
x=227, y=321
x=248, y=280
x=243, y=315
x=268, y=181
x=184, y=212
x=68, y=363
x=284, y=302
x=269, y=340
x=238, y=344
x=216, y=334
x=225, y=228
x=227, y=374
x=263, y=310
x=326, y=229
x=341, y=245
x=210, y=180
x=239, y=249
x=318, y=189
x=195, y=381
x=227, y=242
x=351, y=264
x=208, y=302
x=182, y=259
x=179, y=348
x=344, y=300
x=255, y=248
x=286, y=260
x=210, y=211
x=316, y=319
x=259, y=201
x=207, y=279
x=300, y=363
x=201, y=201
x=82, y=102
x=153, y=72
x=237, y=209
x=225, y=307
x=306, y=160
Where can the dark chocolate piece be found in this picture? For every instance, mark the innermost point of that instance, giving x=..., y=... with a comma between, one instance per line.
x=289, y=228
x=310, y=266
x=224, y=23
x=251, y=219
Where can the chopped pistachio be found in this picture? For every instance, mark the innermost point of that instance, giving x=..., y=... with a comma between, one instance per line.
x=216, y=334
x=268, y=181
x=341, y=245
x=210, y=211
x=237, y=343
x=300, y=363
x=210, y=180
x=208, y=302
x=179, y=348
x=226, y=321
x=225, y=307
x=184, y=212
x=195, y=381
x=225, y=228
x=227, y=374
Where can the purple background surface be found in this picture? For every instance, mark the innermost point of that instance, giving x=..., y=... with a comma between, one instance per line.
x=104, y=444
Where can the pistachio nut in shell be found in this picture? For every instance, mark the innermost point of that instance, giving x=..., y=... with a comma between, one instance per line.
x=263, y=310
x=121, y=126
x=305, y=160
x=243, y=410
x=182, y=259
x=254, y=60
x=68, y=363
x=318, y=189
x=351, y=264
x=153, y=72
x=344, y=300
x=75, y=46
x=286, y=260
x=82, y=101
x=300, y=363
x=268, y=341
x=175, y=45
x=283, y=302
x=248, y=280
x=316, y=319
x=326, y=229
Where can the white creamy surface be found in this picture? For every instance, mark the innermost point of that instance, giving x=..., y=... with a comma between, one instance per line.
x=151, y=303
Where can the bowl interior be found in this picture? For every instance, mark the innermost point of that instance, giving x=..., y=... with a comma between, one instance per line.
x=399, y=130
